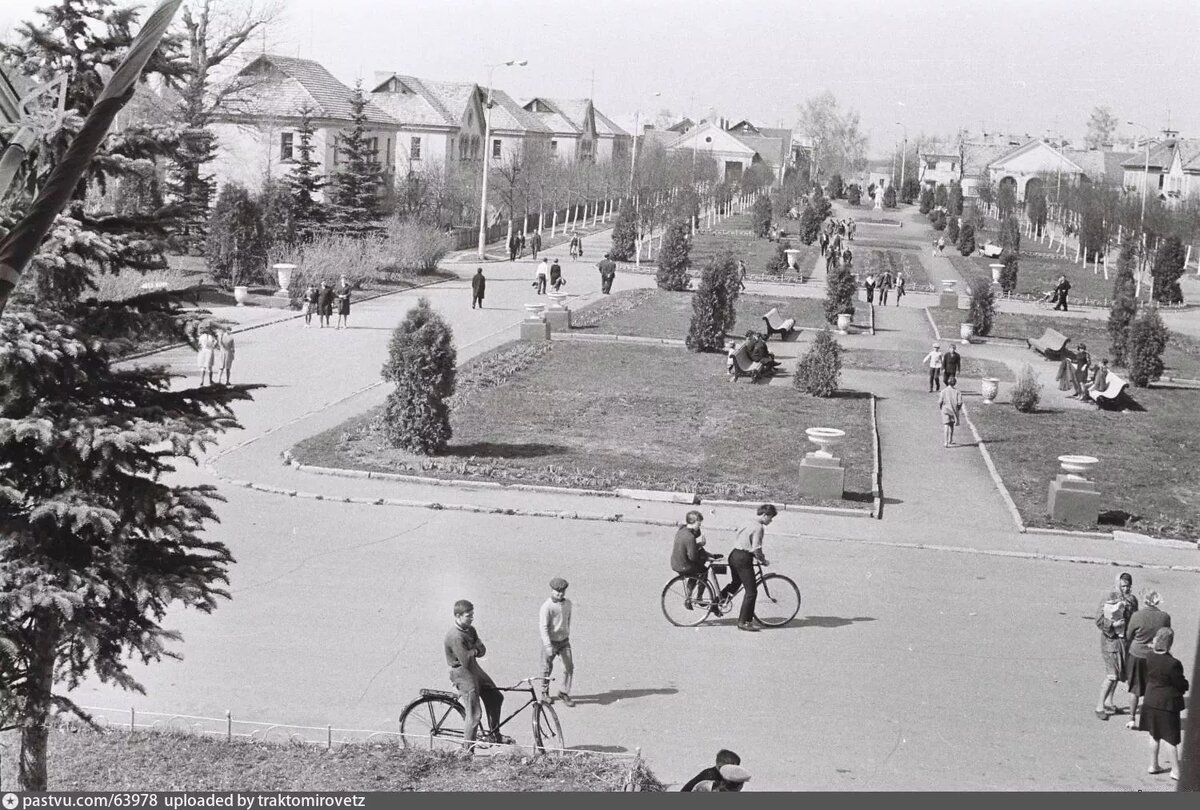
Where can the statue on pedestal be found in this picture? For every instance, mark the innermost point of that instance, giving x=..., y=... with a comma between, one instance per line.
x=879, y=197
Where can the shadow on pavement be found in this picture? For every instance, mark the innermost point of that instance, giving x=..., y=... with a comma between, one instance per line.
x=607, y=698
x=600, y=749
x=827, y=621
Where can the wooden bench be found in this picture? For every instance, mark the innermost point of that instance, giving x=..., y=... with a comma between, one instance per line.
x=1114, y=389
x=777, y=325
x=740, y=364
x=1052, y=344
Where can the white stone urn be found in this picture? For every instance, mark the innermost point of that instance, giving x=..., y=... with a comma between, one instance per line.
x=966, y=331
x=240, y=293
x=283, y=274
x=825, y=439
x=990, y=388
x=1076, y=466
x=949, y=285
x=558, y=300
x=996, y=268
x=793, y=258
x=843, y=322
x=535, y=313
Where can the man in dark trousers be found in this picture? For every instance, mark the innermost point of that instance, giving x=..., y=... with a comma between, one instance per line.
x=724, y=757
x=325, y=304
x=608, y=271
x=1060, y=293
x=463, y=649
x=514, y=242
x=478, y=286
x=951, y=362
x=535, y=243
x=884, y=286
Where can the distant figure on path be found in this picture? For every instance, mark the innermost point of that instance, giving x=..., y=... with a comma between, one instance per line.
x=1139, y=635
x=541, y=277
x=204, y=358
x=885, y=285
x=900, y=282
x=741, y=273
x=342, y=293
x=1079, y=372
x=478, y=288
x=554, y=625
x=556, y=277
x=513, y=244
x=1112, y=616
x=950, y=405
x=869, y=286
x=324, y=304
x=1165, y=687
x=1060, y=293
x=521, y=245
x=724, y=757
x=608, y=271
x=576, y=245
x=1066, y=373
x=951, y=364
x=933, y=361
x=1099, y=379
x=535, y=244
x=226, y=349
x=311, y=298
x=941, y=244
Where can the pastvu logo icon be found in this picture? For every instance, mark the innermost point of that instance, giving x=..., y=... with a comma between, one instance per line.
x=10, y=801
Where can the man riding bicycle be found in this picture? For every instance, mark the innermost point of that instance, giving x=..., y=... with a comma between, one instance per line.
x=463, y=648
x=688, y=555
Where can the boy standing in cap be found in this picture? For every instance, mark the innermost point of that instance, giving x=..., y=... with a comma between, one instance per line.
x=554, y=624
x=934, y=361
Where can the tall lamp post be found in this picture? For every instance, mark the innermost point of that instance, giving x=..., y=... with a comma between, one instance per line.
x=903, y=158
x=487, y=153
x=1142, y=219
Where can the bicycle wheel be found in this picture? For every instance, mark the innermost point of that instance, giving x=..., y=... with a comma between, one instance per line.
x=433, y=722
x=674, y=598
x=778, y=600
x=547, y=731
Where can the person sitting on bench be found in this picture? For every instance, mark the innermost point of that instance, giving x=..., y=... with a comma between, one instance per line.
x=759, y=352
x=1099, y=379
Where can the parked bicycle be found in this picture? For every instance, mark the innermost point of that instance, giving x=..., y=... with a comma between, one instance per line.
x=437, y=719
x=778, y=597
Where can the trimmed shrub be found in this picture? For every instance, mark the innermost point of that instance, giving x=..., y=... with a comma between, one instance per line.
x=235, y=249
x=777, y=264
x=760, y=216
x=421, y=362
x=1027, y=392
x=853, y=194
x=819, y=370
x=1008, y=275
x=1148, y=337
x=674, y=258
x=938, y=218
x=840, y=291
x=1167, y=270
x=941, y=196
x=951, y=229
x=412, y=248
x=1010, y=234
x=982, y=311
x=810, y=224
x=1124, y=305
x=889, y=197
x=624, y=238
x=926, y=200
x=966, y=239
x=954, y=198
x=909, y=189
x=711, y=307
x=837, y=187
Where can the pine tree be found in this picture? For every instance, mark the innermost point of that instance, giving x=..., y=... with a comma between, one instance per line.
x=819, y=371
x=952, y=228
x=889, y=197
x=1010, y=234
x=1148, y=337
x=810, y=224
x=853, y=194
x=840, y=290
x=304, y=183
x=837, y=187
x=1167, y=270
x=954, y=198
x=624, y=238
x=355, y=187
x=941, y=197
x=274, y=205
x=777, y=265
x=760, y=216
x=1124, y=305
x=966, y=239
x=926, y=201
x=96, y=546
x=711, y=305
x=674, y=260
x=235, y=249
x=422, y=363
x=192, y=188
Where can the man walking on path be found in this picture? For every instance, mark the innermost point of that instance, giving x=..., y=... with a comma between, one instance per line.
x=884, y=286
x=950, y=406
x=934, y=361
x=1060, y=293
x=951, y=363
x=478, y=287
x=535, y=244
x=543, y=276
x=463, y=647
x=608, y=271
x=554, y=624
x=513, y=243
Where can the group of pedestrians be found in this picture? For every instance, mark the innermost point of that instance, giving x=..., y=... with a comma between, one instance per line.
x=1080, y=376
x=517, y=242
x=323, y=300
x=216, y=349
x=884, y=283
x=943, y=369
x=548, y=274
x=1135, y=646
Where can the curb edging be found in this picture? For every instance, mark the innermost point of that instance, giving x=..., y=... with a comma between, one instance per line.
x=994, y=473
x=937, y=334
x=877, y=474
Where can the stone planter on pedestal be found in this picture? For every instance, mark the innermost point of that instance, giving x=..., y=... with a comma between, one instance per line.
x=240, y=293
x=996, y=268
x=843, y=323
x=949, y=296
x=1072, y=498
x=558, y=315
x=283, y=274
x=966, y=331
x=821, y=473
x=990, y=388
x=793, y=258
x=534, y=327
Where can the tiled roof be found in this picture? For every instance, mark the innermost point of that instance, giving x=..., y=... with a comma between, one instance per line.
x=412, y=103
x=287, y=84
x=977, y=157
x=940, y=149
x=452, y=97
x=769, y=149
x=606, y=126
x=508, y=115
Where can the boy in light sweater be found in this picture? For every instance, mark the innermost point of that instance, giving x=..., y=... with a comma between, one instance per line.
x=554, y=625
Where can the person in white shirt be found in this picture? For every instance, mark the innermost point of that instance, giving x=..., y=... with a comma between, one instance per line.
x=934, y=361
x=542, y=277
x=554, y=625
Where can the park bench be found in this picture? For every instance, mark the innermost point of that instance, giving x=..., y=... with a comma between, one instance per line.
x=776, y=324
x=1052, y=344
x=740, y=364
x=1114, y=390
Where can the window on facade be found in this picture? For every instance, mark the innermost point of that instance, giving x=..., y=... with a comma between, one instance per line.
x=496, y=149
x=372, y=146
x=931, y=164
x=474, y=147
x=1161, y=178
x=286, y=146
x=953, y=166
x=414, y=148
x=554, y=147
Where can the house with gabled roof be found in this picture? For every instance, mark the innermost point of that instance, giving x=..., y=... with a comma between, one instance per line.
x=1033, y=161
x=440, y=123
x=1171, y=170
x=258, y=132
x=732, y=154
x=578, y=130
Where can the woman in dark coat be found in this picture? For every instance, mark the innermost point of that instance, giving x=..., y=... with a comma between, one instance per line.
x=1139, y=635
x=342, y=294
x=1165, y=688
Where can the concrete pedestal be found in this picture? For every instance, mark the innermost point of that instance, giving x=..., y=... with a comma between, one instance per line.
x=535, y=330
x=1072, y=500
x=948, y=300
x=822, y=476
x=559, y=319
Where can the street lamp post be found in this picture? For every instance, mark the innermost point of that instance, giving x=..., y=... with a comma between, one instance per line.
x=903, y=159
x=1142, y=218
x=487, y=153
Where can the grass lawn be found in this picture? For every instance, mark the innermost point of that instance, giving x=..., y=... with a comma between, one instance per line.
x=605, y=416
x=1039, y=272
x=910, y=363
x=874, y=260
x=121, y=761
x=1148, y=459
x=735, y=234
x=1182, y=357
x=662, y=314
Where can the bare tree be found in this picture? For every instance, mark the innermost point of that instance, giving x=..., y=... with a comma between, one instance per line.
x=1100, y=127
x=839, y=146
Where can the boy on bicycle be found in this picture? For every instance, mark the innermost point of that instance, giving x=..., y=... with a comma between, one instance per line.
x=747, y=549
x=688, y=555
x=463, y=648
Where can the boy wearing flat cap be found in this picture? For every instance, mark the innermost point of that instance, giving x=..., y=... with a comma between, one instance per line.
x=554, y=625
x=732, y=779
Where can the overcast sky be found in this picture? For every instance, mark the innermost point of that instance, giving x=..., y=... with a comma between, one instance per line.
x=1025, y=66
